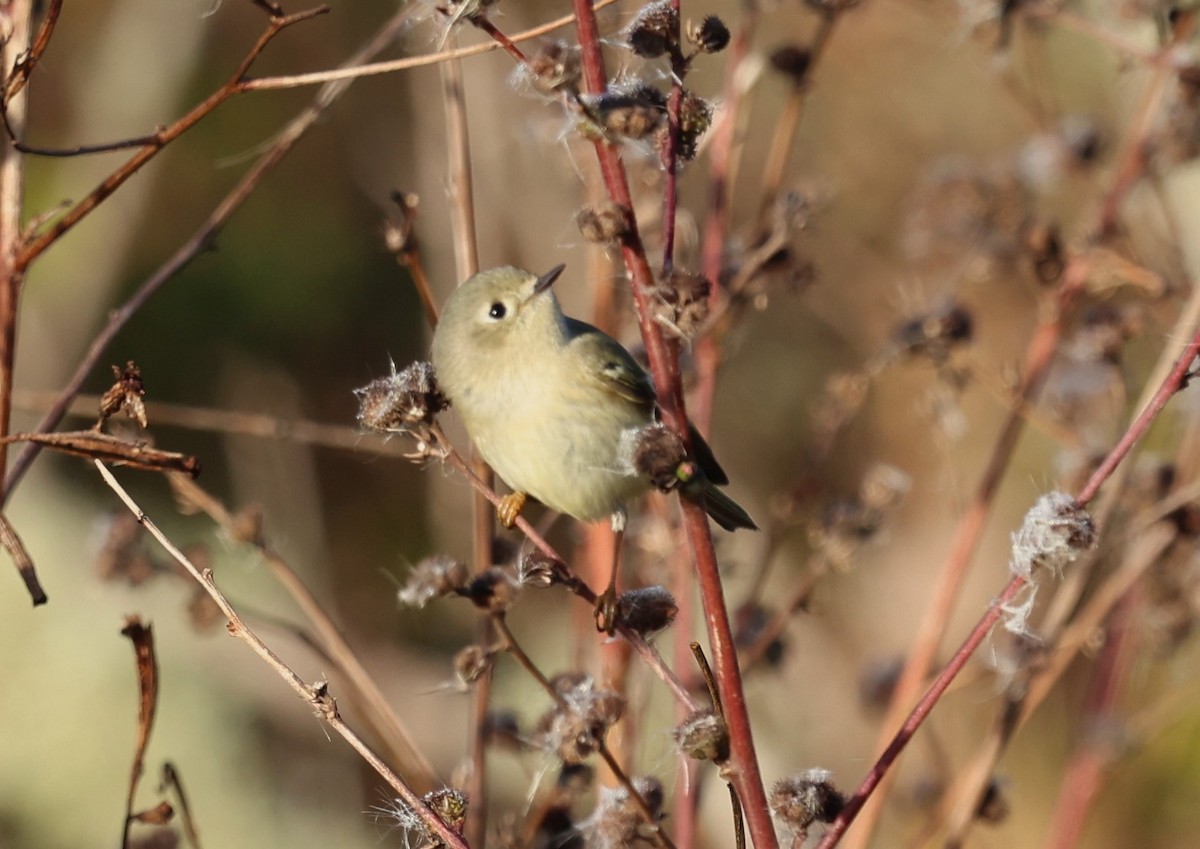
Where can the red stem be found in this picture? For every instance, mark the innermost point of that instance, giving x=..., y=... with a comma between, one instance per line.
x=664, y=367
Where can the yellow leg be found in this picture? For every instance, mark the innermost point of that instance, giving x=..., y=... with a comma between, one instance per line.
x=509, y=508
x=605, y=610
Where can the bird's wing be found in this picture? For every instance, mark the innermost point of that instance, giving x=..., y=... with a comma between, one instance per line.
x=610, y=364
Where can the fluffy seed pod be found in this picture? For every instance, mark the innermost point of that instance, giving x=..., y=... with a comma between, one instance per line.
x=703, y=736
x=654, y=29
x=494, y=590
x=710, y=35
x=646, y=610
x=402, y=400
x=802, y=799
x=433, y=577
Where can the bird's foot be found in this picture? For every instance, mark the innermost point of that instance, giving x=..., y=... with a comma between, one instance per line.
x=510, y=507
x=605, y=611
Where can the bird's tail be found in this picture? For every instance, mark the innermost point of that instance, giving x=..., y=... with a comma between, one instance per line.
x=725, y=511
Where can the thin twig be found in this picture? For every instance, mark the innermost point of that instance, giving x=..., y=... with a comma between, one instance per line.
x=32, y=249
x=317, y=695
x=201, y=241
x=387, y=725
x=374, y=69
x=25, y=64
x=11, y=542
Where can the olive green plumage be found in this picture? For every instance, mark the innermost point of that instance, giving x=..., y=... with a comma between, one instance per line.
x=551, y=402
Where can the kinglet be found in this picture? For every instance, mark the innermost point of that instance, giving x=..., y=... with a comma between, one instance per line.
x=553, y=404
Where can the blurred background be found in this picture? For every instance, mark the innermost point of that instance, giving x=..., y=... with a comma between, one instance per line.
x=924, y=158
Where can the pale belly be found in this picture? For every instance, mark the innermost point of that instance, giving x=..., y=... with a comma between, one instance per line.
x=575, y=463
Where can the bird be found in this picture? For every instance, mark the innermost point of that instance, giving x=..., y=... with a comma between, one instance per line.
x=553, y=404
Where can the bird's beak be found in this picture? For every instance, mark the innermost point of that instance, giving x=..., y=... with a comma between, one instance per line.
x=547, y=280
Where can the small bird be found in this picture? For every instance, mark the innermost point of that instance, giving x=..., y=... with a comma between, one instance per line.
x=553, y=404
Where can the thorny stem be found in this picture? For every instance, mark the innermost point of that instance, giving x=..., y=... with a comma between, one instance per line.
x=317, y=696
x=664, y=366
x=201, y=241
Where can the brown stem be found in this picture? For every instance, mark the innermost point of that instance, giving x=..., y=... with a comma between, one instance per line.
x=233, y=86
x=316, y=695
x=200, y=242
x=26, y=63
x=664, y=367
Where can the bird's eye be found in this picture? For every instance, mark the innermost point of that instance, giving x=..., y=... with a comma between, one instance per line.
x=497, y=311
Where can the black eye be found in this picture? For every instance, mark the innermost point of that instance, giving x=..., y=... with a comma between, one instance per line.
x=497, y=310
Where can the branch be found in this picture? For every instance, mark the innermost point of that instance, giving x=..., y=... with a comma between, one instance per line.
x=316, y=695
x=201, y=241
x=233, y=86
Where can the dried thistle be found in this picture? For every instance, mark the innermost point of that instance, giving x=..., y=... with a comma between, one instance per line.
x=471, y=662
x=402, y=402
x=1054, y=533
x=646, y=610
x=617, y=821
x=576, y=725
x=607, y=224
x=710, y=35
x=434, y=577
x=554, y=68
x=703, y=736
x=126, y=394
x=656, y=452
x=624, y=112
x=695, y=119
x=493, y=590
x=654, y=30
x=800, y=800
x=681, y=303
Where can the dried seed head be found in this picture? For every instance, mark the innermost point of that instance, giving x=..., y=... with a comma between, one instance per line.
x=450, y=805
x=537, y=569
x=617, y=821
x=1056, y=530
x=434, y=577
x=125, y=394
x=625, y=112
x=657, y=453
x=792, y=62
x=605, y=224
x=471, y=662
x=936, y=333
x=575, y=728
x=802, y=799
x=703, y=736
x=493, y=590
x=710, y=35
x=695, y=117
x=554, y=67
x=654, y=30
x=646, y=610
x=401, y=401
x=681, y=303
